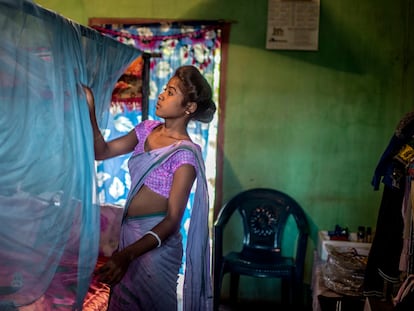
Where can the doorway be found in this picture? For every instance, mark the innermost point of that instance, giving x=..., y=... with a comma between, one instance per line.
x=165, y=44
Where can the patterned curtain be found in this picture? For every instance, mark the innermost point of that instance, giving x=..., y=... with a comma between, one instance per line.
x=170, y=45
x=124, y=113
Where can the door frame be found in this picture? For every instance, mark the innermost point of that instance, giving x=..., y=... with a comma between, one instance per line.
x=225, y=27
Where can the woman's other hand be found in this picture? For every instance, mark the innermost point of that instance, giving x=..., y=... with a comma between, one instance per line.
x=115, y=268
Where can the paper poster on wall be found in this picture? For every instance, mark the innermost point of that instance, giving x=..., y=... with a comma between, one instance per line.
x=293, y=25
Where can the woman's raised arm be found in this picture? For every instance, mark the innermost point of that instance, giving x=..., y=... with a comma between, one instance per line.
x=104, y=150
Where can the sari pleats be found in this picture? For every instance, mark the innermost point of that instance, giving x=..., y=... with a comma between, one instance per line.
x=151, y=280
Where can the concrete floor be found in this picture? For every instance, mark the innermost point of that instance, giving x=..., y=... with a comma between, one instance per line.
x=260, y=306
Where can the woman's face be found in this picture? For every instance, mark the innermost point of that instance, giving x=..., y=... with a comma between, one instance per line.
x=170, y=101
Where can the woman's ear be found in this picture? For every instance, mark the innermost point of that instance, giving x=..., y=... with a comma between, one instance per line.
x=191, y=107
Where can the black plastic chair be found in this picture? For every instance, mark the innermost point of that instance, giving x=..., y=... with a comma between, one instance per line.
x=265, y=213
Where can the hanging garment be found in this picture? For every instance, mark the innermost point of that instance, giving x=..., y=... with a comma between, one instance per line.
x=49, y=231
x=383, y=266
x=404, y=300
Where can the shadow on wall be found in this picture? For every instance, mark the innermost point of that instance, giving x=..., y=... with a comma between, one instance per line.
x=231, y=184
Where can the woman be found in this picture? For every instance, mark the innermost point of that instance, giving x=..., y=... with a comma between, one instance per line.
x=143, y=273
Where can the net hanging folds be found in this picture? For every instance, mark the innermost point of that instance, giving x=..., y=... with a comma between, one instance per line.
x=49, y=231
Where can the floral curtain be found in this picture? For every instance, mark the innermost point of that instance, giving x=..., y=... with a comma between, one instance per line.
x=125, y=111
x=170, y=45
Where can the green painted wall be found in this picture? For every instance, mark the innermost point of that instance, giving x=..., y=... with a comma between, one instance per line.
x=312, y=124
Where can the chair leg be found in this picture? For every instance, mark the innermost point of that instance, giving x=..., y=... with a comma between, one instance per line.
x=234, y=287
x=287, y=292
x=216, y=297
x=298, y=293
x=217, y=282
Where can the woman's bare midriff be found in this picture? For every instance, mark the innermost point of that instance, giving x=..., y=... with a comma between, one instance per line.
x=147, y=202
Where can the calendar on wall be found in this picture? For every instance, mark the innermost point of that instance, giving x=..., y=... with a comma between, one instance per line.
x=293, y=25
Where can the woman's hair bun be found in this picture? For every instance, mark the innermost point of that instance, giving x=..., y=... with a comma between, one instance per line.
x=206, y=115
x=197, y=89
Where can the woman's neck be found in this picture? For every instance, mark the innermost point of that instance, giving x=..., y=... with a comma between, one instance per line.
x=175, y=131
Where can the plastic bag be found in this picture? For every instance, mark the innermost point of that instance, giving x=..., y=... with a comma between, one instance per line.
x=344, y=270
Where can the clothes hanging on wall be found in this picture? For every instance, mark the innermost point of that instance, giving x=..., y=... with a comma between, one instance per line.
x=48, y=208
x=383, y=271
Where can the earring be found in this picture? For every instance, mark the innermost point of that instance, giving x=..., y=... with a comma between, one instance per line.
x=187, y=112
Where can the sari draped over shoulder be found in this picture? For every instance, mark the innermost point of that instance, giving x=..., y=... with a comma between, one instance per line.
x=141, y=284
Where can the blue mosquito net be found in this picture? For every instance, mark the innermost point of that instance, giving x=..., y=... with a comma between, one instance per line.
x=49, y=216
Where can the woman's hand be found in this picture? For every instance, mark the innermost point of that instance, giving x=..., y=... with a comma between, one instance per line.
x=115, y=268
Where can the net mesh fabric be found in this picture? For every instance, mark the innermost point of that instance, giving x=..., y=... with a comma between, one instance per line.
x=48, y=209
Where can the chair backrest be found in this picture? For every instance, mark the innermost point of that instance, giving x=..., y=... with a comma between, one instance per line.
x=265, y=213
